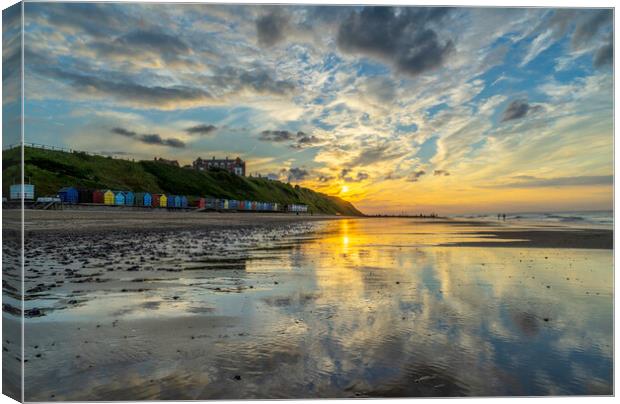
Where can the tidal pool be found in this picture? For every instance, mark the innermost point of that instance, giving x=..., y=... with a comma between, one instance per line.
x=346, y=308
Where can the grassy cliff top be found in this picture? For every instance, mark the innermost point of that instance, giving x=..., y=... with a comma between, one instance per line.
x=50, y=170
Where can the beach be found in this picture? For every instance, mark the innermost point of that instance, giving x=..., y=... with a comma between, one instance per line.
x=160, y=305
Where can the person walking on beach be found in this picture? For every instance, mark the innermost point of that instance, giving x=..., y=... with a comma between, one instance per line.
x=504, y=215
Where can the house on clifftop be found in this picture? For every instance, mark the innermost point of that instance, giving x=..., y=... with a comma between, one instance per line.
x=236, y=166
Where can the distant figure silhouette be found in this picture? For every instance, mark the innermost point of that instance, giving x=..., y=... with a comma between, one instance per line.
x=504, y=215
x=499, y=216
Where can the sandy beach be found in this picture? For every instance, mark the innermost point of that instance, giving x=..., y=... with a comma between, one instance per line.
x=161, y=305
x=488, y=234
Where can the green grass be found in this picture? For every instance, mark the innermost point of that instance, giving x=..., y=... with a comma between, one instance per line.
x=50, y=170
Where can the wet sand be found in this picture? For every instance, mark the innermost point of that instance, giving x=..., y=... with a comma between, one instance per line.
x=538, y=238
x=233, y=306
x=507, y=234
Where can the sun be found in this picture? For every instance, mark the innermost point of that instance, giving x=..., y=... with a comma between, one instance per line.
x=344, y=189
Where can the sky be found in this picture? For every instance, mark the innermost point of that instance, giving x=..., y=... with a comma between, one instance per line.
x=407, y=109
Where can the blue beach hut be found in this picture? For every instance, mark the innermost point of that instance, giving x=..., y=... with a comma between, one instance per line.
x=147, y=199
x=170, y=201
x=184, y=201
x=177, y=201
x=129, y=198
x=119, y=198
x=68, y=195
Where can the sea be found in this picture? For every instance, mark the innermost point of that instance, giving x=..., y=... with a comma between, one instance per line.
x=591, y=219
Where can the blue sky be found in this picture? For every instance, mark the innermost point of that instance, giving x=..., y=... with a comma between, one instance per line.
x=461, y=109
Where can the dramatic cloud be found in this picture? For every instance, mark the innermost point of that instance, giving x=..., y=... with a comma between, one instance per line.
x=534, y=182
x=415, y=176
x=153, y=139
x=404, y=37
x=518, y=109
x=271, y=27
x=201, y=129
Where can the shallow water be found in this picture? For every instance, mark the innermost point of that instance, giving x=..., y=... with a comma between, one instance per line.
x=331, y=309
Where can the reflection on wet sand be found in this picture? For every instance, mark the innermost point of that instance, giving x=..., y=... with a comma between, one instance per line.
x=333, y=309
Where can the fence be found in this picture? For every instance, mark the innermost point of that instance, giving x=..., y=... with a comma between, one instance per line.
x=56, y=148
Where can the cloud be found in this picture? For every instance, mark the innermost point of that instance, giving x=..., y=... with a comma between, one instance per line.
x=375, y=153
x=142, y=43
x=201, y=129
x=361, y=176
x=126, y=89
x=325, y=178
x=297, y=174
x=443, y=173
x=153, y=139
x=298, y=140
x=225, y=83
x=306, y=140
x=534, y=182
x=276, y=136
x=271, y=27
x=415, y=176
x=605, y=54
x=91, y=18
x=518, y=109
x=404, y=37
x=587, y=29
x=233, y=79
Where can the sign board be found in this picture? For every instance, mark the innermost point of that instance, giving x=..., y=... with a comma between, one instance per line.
x=15, y=191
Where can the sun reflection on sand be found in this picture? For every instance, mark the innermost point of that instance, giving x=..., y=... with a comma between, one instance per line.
x=361, y=308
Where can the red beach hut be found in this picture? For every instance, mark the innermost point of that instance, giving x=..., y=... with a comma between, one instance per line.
x=98, y=196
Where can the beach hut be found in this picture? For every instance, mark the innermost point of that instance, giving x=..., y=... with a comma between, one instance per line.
x=233, y=204
x=85, y=195
x=225, y=204
x=98, y=196
x=183, y=201
x=119, y=198
x=108, y=197
x=142, y=199
x=130, y=198
x=253, y=205
x=163, y=200
x=247, y=205
x=68, y=195
x=177, y=201
x=170, y=201
x=202, y=203
x=275, y=207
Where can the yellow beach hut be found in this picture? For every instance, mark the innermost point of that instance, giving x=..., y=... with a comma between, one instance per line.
x=163, y=201
x=108, y=197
